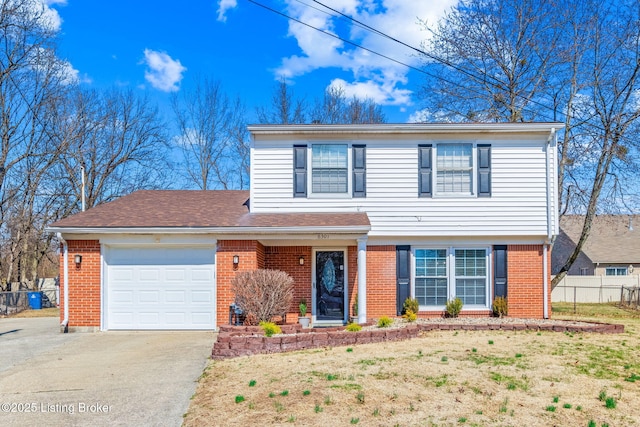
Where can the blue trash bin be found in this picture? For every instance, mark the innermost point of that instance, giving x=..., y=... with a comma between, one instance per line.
x=35, y=300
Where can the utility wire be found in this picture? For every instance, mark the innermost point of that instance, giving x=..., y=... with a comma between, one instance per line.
x=419, y=70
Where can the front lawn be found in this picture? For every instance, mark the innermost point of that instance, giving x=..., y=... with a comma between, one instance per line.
x=445, y=378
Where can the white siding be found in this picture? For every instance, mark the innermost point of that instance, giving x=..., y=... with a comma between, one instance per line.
x=517, y=206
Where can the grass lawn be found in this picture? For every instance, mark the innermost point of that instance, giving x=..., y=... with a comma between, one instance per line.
x=45, y=312
x=445, y=378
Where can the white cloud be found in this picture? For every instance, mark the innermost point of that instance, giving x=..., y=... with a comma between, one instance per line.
x=373, y=76
x=164, y=73
x=223, y=7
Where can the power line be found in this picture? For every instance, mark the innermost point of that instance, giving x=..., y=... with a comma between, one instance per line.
x=419, y=70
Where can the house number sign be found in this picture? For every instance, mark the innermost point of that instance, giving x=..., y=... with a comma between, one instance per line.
x=323, y=236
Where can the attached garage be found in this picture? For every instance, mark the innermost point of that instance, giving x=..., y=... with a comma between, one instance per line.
x=167, y=287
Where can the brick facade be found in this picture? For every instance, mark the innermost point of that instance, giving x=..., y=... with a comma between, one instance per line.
x=251, y=256
x=84, y=284
x=287, y=258
x=525, y=274
x=525, y=278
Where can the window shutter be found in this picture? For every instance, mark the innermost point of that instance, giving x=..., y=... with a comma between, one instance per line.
x=299, y=171
x=500, y=271
x=359, y=162
x=424, y=171
x=484, y=170
x=403, y=276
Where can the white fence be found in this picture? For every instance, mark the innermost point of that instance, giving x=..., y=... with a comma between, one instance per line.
x=593, y=289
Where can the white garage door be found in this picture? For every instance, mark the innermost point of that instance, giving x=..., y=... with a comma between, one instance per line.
x=160, y=288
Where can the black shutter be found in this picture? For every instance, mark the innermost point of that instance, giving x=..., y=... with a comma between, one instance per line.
x=359, y=162
x=484, y=170
x=299, y=171
x=424, y=171
x=500, y=271
x=403, y=276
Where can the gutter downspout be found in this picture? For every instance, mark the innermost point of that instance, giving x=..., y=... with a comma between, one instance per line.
x=545, y=246
x=64, y=326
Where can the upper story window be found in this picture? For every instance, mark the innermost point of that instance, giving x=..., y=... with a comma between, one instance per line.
x=454, y=169
x=334, y=169
x=459, y=169
x=329, y=168
x=616, y=271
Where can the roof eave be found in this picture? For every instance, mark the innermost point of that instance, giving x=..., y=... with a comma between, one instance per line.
x=406, y=128
x=211, y=230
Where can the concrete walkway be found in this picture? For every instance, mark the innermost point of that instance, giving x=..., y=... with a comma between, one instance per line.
x=97, y=379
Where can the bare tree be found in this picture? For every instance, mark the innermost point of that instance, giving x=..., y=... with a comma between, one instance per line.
x=209, y=123
x=119, y=140
x=508, y=60
x=285, y=107
x=33, y=81
x=334, y=107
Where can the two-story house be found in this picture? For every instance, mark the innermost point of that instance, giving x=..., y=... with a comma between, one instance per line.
x=370, y=214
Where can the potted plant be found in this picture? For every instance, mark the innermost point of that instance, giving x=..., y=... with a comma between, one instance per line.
x=354, y=317
x=302, y=318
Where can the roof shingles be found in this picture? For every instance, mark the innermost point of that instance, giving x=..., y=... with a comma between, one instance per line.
x=197, y=209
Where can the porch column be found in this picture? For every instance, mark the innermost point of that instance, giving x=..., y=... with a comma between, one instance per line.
x=362, y=280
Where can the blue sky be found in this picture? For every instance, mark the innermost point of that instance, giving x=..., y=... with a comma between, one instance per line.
x=160, y=47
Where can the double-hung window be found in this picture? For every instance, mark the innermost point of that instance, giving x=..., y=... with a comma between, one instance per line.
x=334, y=169
x=455, y=168
x=441, y=274
x=329, y=168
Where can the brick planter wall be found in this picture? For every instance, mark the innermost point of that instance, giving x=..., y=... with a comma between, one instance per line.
x=234, y=341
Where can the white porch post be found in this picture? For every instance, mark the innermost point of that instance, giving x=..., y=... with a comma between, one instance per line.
x=362, y=280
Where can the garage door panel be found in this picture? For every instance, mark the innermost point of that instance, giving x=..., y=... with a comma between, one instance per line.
x=201, y=297
x=160, y=288
x=148, y=297
x=173, y=297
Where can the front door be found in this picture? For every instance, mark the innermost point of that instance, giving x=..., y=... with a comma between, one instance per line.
x=330, y=287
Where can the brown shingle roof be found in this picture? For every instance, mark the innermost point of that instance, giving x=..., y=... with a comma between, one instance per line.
x=610, y=241
x=197, y=209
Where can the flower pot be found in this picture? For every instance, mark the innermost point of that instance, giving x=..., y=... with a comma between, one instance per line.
x=304, y=321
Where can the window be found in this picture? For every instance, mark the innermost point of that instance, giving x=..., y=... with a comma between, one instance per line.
x=454, y=166
x=431, y=276
x=584, y=271
x=329, y=168
x=461, y=169
x=471, y=275
x=435, y=281
x=616, y=271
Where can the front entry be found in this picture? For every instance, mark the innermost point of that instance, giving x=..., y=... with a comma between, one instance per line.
x=330, y=288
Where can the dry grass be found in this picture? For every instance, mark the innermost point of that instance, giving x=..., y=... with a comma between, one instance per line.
x=45, y=312
x=445, y=378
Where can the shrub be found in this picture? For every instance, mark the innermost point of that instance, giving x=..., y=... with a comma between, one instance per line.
x=453, y=307
x=500, y=307
x=384, y=322
x=263, y=294
x=410, y=304
x=270, y=328
x=303, y=307
x=410, y=316
x=353, y=327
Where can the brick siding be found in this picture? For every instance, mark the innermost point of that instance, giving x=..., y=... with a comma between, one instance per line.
x=84, y=283
x=525, y=281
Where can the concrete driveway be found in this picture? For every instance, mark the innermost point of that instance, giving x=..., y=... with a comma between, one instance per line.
x=97, y=379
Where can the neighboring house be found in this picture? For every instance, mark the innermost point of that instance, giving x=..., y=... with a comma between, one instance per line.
x=612, y=249
x=366, y=213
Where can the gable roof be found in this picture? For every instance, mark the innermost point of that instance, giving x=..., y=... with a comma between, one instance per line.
x=198, y=209
x=611, y=240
